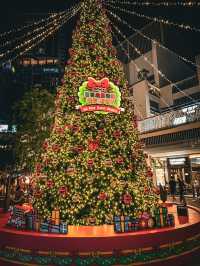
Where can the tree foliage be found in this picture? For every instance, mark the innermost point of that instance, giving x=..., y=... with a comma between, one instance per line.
x=33, y=115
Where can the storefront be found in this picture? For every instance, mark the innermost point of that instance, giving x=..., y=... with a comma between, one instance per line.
x=195, y=166
x=180, y=168
x=160, y=171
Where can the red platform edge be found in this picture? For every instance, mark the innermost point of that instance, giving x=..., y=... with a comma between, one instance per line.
x=77, y=244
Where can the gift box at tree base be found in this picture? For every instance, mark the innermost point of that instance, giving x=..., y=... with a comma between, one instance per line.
x=158, y=219
x=26, y=218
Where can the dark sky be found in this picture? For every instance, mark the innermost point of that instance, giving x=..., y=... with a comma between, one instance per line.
x=186, y=43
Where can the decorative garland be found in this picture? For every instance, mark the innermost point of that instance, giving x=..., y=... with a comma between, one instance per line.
x=172, y=249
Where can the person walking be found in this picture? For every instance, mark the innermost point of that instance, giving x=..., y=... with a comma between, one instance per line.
x=163, y=193
x=19, y=197
x=196, y=188
x=181, y=190
x=172, y=187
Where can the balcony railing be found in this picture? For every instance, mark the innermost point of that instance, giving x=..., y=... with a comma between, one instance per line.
x=170, y=119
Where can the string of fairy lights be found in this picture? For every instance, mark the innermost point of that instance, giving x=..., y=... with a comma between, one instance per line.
x=32, y=42
x=29, y=33
x=136, y=66
x=21, y=28
x=138, y=69
x=155, y=19
x=149, y=39
x=45, y=35
x=189, y=4
x=149, y=62
x=56, y=20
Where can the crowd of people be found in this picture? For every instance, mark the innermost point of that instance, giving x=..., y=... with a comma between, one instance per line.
x=21, y=191
x=179, y=188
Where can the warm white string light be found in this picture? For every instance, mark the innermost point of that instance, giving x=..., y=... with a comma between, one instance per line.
x=160, y=4
x=21, y=28
x=155, y=19
x=43, y=35
x=152, y=40
x=136, y=66
x=25, y=43
x=138, y=69
x=152, y=65
x=27, y=34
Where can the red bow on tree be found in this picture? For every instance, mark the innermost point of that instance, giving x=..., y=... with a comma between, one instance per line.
x=93, y=83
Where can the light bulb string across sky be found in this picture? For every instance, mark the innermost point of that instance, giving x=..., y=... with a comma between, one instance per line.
x=152, y=40
x=21, y=28
x=45, y=34
x=29, y=33
x=155, y=19
x=152, y=65
x=138, y=69
x=189, y=4
x=44, y=28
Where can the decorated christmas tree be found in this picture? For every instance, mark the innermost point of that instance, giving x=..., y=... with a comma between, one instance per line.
x=93, y=166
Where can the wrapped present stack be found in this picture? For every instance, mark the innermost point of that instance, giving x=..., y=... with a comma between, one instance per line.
x=163, y=218
x=55, y=217
x=31, y=220
x=54, y=225
x=135, y=223
x=25, y=217
x=182, y=210
x=122, y=224
x=159, y=218
x=18, y=216
x=170, y=220
x=49, y=227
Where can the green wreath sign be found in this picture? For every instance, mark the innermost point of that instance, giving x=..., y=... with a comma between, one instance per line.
x=100, y=93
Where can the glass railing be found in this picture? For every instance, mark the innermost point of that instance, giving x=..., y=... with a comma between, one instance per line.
x=170, y=119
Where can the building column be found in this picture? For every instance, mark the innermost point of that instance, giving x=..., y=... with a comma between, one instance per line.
x=140, y=95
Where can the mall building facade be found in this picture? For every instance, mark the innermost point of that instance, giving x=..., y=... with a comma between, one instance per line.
x=168, y=112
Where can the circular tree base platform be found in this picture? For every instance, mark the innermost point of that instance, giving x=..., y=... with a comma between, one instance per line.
x=100, y=245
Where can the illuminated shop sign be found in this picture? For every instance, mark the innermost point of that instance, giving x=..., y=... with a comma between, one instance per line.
x=177, y=161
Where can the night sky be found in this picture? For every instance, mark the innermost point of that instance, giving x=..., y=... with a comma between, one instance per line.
x=186, y=43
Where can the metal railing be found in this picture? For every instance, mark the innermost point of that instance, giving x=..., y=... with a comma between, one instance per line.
x=170, y=119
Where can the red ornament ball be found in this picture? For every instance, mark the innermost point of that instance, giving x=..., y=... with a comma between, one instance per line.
x=55, y=147
x=63, y=191
x=102, y=196
x=90, y=162
x=93, y=145
x=117, y=134
x=50, y=183
x=127, y=199
x=38, y=167
x=45, y=145
x=119, y=160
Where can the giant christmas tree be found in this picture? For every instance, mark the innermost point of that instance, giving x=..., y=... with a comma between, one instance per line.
x=93, y=166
